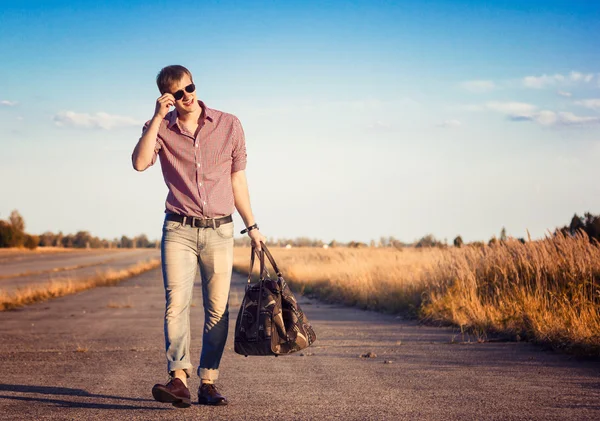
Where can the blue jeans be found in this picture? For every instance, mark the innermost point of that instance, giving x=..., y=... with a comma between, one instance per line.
x=183, y=250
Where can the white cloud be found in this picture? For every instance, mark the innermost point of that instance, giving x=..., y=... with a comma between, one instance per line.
x=99, y=120
x=557, y=80
x=544, y=81
x=581, y=77
x=8, y=103
x=479, y=86
x=550, y=118
x=450, y=124
x=539, y=82
x=593, y=104
x=520, y=111
x=511, y=108
x=508, y=107
x=564, y=93
x=570, y=119
x=545, y=118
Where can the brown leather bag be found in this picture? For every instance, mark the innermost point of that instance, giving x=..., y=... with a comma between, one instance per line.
x=270, y=321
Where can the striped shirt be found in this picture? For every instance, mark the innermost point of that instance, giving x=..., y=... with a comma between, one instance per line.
x=197, y=169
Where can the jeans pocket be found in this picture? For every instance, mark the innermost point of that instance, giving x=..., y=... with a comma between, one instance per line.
x=225, y=230
x=171, y=226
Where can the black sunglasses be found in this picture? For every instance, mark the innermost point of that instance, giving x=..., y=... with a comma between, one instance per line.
x=189, y=89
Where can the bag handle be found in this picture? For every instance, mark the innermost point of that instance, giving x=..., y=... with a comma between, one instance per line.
x=264, y=273
x=261, y=259
x=252, y=252
x=266, y=251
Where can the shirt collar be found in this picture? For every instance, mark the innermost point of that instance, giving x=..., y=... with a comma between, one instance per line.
x=207, y=114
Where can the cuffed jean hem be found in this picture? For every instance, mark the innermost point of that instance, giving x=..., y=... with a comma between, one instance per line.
x=172, y=366
x=208, y=373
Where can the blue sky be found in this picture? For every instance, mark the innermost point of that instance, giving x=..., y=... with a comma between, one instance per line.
x=362, y=120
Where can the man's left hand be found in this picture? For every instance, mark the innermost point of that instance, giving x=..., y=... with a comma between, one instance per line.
x=257, y=237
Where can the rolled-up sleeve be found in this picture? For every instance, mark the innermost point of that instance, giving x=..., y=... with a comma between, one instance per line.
x=238, y=154
x=157, y=145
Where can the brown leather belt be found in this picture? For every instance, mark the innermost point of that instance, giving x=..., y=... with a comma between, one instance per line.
x=195, y=222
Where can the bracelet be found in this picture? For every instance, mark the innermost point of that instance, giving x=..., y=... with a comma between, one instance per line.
x=248, y=229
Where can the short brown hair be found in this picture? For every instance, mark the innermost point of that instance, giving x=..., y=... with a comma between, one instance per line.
x=170, y=75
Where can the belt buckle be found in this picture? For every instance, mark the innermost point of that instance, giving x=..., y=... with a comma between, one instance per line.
x=194, y=219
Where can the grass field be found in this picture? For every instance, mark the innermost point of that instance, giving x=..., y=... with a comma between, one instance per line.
x=58, y=288
x=14, y=251
x=545, y=291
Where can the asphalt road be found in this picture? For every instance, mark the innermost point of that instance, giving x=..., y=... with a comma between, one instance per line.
x=30, y=269
x=77, y=358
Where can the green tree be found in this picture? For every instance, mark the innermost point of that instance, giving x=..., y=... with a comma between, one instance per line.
x=428, y=241
x=82, y=239
x=58, y=240
x=503, y=234
x=16, y=220
x=31, y=241
x=592, y=226
x=458, y=241
x=141, y=241
x=126, y=242
x=6, y=234
x=18, y=227
x=576, y=224
x=96, y=243
x=47, y=239
x=68, y=241
x=397, y=244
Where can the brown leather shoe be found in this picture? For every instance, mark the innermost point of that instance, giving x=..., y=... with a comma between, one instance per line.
x=209, y=395
x=173, y=392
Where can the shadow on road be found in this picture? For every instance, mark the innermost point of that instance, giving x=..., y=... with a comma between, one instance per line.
x=64, y=391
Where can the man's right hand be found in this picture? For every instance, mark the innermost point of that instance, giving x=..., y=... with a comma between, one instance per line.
x=163, y=105
x=144, y=150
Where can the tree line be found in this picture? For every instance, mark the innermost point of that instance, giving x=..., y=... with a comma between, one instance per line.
x=12, y=234
x=588, y=223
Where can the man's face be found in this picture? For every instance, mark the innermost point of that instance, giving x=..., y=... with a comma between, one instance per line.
x=188, y=102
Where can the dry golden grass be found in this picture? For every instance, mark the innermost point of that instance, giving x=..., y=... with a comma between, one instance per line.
x=56, y=270
x=546, y=291
x=388, y=279
x=40, y=250
x=59, y=288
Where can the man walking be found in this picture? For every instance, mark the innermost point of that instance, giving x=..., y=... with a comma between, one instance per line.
x=203, y=157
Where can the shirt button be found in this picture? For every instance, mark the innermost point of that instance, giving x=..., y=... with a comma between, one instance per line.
x=205, y=202
x=196, y=145
x=198, y=165
x=200, y=184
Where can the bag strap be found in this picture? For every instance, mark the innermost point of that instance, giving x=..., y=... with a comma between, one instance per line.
x=252, y=253
x=266, y=251
x=261, y=258
x=264, y=270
